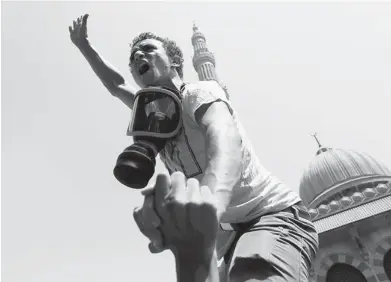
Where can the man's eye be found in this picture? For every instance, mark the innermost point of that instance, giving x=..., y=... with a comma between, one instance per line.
x=148, y=48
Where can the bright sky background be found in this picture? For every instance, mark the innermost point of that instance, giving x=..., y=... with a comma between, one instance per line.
x=291, y=69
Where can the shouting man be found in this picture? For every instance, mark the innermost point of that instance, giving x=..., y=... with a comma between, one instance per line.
x=265, y=231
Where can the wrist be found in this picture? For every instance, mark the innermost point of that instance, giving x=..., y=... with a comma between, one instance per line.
x=196, y=267
x=83, y=44
x=194, y=254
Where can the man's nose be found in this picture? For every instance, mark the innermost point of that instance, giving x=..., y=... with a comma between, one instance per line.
x=138, y=55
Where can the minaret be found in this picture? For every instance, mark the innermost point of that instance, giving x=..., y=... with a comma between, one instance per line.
x=204, y=61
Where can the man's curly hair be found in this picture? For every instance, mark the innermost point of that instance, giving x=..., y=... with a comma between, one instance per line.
x=172, y=49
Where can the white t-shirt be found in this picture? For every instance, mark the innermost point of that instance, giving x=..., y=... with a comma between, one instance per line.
x=256, y=193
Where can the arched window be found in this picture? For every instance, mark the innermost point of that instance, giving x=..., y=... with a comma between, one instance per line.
x=342, y=272
x=387, y=264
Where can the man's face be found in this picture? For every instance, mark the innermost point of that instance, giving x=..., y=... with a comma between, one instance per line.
x=149, y=63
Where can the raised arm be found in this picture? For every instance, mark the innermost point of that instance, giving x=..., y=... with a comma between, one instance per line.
x=110, y=77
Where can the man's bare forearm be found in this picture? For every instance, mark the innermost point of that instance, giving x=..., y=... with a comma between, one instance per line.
x=109, y=76
x=224, y=161
x=191, y=269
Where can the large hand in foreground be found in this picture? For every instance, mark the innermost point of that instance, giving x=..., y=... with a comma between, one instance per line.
x=187, y=212
x=78, y=32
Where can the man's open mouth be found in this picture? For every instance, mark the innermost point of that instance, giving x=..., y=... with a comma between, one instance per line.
x=143, y=68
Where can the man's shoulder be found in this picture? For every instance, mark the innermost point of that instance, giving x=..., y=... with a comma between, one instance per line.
x=196, y=86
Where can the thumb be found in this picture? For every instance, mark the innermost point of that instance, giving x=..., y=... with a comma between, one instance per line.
x=148, y=191
x=162, y=188
x=155, y=249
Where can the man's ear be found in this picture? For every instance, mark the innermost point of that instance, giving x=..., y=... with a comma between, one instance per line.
x=175, y=60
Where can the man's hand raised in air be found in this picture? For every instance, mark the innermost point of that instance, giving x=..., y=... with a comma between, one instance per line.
x=78, y=32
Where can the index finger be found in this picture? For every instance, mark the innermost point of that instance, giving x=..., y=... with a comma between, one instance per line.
x=162, y=188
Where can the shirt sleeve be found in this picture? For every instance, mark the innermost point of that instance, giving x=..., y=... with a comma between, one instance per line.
x=203, y=93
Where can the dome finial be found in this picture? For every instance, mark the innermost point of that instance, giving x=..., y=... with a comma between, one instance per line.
x=315, y=135
x=321, y=148
x=195, y=28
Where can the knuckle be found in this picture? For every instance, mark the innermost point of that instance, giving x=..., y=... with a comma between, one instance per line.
x=177, y=173
x=193, y=205
x=193, y=182
x=208, y=206
x=181, y=202
x=168, y=205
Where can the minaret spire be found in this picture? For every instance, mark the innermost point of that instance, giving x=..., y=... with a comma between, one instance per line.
x=203, y=60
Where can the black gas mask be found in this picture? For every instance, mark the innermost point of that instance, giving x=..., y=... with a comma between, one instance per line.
x=156, y=118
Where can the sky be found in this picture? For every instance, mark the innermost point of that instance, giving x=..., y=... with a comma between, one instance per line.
x=291, y=70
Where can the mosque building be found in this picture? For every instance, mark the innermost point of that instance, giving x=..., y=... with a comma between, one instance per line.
x=349, y=197
x=348, y=194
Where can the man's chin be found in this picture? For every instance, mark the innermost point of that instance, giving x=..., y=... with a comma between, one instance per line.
x=150, y=83
x=153, y=82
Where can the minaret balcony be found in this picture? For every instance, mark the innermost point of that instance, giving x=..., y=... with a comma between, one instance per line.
x=196, y=36
x=203, y=57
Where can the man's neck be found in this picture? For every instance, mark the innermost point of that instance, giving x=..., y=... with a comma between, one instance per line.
x=174, y=82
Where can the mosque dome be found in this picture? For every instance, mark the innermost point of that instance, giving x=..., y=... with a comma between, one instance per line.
x=334, y=170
